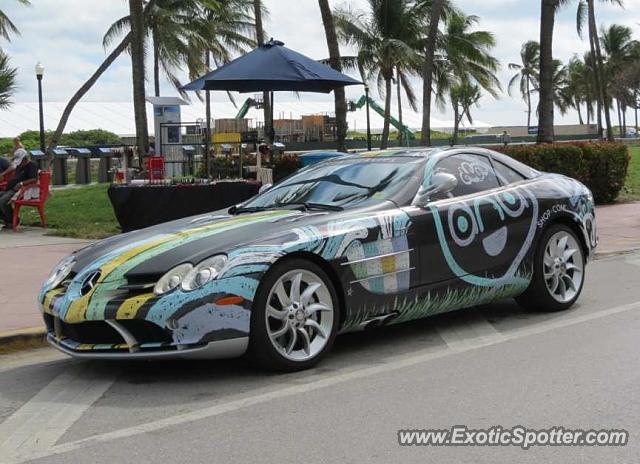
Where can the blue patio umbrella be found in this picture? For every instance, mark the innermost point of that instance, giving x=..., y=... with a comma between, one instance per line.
x=273, y=67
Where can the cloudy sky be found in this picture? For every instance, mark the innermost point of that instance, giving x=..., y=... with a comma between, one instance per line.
x=66, y=35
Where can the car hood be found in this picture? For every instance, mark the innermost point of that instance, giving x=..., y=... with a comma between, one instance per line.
x=151, y=252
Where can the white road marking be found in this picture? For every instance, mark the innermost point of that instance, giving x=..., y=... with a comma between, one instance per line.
x=390, y=365
x=30, y=358
x=44, y=419
x=635, y=260
x=471, y=332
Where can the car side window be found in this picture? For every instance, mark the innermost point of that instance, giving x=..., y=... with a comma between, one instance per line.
x=474, y=173
x=506, y=174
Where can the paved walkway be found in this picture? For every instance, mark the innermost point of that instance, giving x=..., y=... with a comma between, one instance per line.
x=27, y=257
x=618, y=227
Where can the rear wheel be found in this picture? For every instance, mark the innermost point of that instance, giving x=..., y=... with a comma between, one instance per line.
x=559, y=271
x=295, y=316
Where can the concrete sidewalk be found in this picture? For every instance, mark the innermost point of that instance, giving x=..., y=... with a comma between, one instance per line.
x=618, y=228
x=27, y=258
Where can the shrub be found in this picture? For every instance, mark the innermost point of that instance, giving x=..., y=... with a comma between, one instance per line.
x=601, y=166
x=606, y=166
x=285, y=165
x=82, y=138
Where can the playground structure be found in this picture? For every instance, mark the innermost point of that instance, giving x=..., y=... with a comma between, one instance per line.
x=408, y=134
x=255, y=102
x=240, y=130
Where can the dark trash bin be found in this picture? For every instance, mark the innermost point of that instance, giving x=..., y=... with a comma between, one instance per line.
x=40, y=159
x=83, y=166
x=60, y=175
x=189, y=153
x=104, y=168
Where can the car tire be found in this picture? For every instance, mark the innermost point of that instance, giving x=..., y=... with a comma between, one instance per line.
x=293, y=328
x=558, y=271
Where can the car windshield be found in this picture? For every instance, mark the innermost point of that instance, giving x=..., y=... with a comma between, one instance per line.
x=345, y=184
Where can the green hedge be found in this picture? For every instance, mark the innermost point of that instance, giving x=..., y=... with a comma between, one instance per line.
x=82, y=138
x=601, y=166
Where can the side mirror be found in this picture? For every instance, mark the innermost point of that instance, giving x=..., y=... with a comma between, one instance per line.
x=441, y=184
x=265, y=187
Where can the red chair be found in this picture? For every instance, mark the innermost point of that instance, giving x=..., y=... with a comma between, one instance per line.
x=44, y=179
x=155, y=166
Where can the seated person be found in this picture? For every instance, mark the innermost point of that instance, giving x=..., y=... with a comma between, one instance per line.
x=26, y=173
x=6, y=167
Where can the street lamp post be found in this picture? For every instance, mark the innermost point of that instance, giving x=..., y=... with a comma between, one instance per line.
x=39, y=75
x=366, y=92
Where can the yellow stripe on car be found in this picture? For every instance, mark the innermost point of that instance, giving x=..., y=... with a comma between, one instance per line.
x=130, y=307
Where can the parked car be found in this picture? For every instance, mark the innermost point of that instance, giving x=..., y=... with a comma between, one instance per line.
x=347, y=244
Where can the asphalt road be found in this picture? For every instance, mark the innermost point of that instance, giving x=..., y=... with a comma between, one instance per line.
x=494, y=365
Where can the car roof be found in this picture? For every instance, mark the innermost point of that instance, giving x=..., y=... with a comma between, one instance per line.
x=418, y=152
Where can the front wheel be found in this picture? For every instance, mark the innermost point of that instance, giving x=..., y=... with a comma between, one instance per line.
x=559, y=270
x=294, y=318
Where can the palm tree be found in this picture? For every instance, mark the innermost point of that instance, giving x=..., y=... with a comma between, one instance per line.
x=463, y=96
x=435, y=13
x=220, y=24
x=587, y=11
x=549, y=8
x=620, y=51
x=7, y=73
x=629, y=80
x=82, y=91
x=578, y=85
x=589, y=83
x=562, y=98
x=7, y=81
x=463, y=63
x=7, y=28
x=181, y=31
x=384, y=37
x=527, y=74
x=335, y=62
x=136, y=12
x=258, y=11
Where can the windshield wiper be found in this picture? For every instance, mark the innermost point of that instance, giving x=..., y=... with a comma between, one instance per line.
x=318, y=206
x=249, y=209
x=306, y=206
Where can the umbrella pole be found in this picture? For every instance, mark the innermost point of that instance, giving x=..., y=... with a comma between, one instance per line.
x=207, y=145
x=272, y=130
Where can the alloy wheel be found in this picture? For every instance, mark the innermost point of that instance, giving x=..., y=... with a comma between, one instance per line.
x=299, y=315
x=563, y=267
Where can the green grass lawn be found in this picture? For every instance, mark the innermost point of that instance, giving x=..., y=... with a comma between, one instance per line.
x=632, y=187
x=83, y=212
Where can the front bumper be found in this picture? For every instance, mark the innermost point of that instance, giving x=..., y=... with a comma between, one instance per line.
x=222, y=349
x=133, y=339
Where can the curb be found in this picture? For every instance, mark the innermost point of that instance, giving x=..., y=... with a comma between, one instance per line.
x=611, y=254
x=16, y=340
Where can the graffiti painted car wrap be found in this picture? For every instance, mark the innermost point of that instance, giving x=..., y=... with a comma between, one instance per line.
x=390, y=259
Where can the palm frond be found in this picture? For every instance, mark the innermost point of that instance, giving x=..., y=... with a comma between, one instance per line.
x=8, y=83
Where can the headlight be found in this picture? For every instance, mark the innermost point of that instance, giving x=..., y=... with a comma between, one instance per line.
x=204, y=273
x=60, y=272
x=172, y=279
